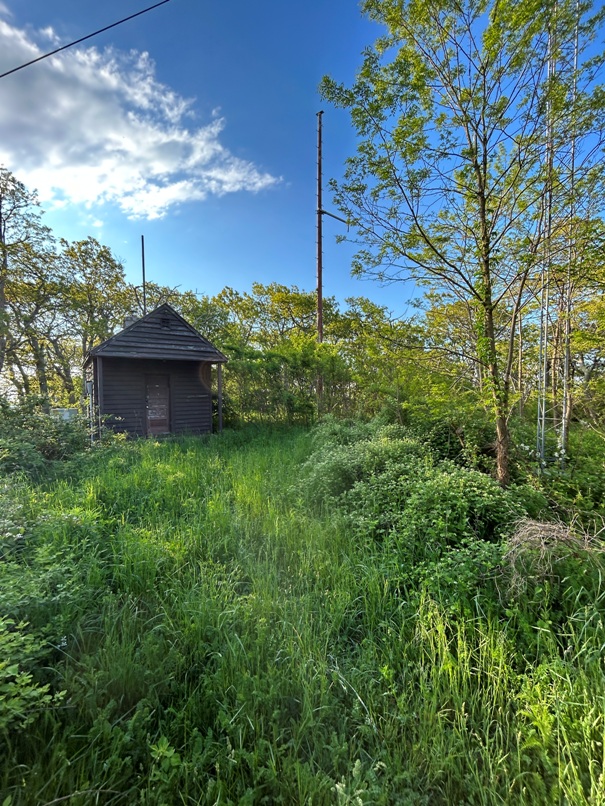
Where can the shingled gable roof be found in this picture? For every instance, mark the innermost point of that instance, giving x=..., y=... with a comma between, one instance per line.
x=163, y=333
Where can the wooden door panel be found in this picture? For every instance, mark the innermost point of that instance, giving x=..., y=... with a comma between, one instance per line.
x=158, y=405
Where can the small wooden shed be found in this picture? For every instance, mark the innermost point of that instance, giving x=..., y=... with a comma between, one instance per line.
x=154, y=377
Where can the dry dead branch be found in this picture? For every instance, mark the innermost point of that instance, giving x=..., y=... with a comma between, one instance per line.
x=536, y=550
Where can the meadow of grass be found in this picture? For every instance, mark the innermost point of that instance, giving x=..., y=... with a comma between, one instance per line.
x=300, y=617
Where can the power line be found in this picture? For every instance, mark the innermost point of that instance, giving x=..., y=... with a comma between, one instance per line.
x=82, y=39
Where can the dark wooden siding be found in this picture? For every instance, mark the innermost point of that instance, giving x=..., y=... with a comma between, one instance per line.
x=124, y=394
x=191, y=403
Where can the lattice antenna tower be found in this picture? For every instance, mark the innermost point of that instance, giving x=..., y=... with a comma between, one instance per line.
x=554, y=415
x=571, y=254
x=545, y=413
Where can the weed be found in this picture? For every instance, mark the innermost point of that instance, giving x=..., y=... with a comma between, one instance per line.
x=282, y=616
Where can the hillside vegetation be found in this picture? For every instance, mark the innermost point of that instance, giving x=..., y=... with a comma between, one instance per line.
x=340, y=615
x=384, y=583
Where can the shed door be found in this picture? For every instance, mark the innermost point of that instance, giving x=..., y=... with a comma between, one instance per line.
x=158, y=405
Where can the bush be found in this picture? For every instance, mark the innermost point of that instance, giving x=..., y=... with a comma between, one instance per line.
x=347, y=454
x=424, y=509
x=389, y=484
x=462, y=577
x=466, y=438
x=22, y=699
x=452, y=503
x=31, y=439
x=550, y=563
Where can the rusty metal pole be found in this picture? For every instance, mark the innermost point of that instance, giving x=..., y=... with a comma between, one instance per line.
x=320, y=324
x=320, y=313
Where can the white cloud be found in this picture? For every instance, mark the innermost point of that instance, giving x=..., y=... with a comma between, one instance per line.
x=94, y=127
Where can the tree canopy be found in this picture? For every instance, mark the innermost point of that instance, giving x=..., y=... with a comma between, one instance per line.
x=479, y=129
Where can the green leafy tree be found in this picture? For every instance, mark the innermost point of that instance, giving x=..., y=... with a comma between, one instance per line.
x=382, y=353
x=457, y=109
x=208, y=315
x=61, y=304
x=34, y=300
x=96, y=295
x=20, y=225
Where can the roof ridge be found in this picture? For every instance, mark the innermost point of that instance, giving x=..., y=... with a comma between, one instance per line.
x=205, y=346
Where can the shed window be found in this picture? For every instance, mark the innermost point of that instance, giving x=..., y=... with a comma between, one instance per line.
x=165, y=322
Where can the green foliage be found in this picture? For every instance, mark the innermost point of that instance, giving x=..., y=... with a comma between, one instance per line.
x=454, y=108
x=451, y=503
x=348, y=453
x=465, y=437
x=390, y=485
x=221, y=636
x=32, y=439
x=575, y=486
x=22, y=699
x=462, y=579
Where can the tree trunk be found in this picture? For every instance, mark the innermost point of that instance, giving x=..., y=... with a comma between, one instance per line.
x=500, y=393
x=502, y=451
x=22, y=386
x=520, y=367
x=41, y=371
x=487, y=351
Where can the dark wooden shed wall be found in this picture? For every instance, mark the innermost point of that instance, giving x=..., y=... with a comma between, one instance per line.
x=121, y=389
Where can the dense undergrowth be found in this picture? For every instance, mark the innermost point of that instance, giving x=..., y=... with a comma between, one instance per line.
x=339, y=616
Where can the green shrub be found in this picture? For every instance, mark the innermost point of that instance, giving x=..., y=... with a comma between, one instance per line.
x=22, y=699
x=346, y=453
x=388, y=483
x=465, y=438
x=32, y=439
x=452, y=503
x=332, y=431
x=462, y=577
x=425, y=509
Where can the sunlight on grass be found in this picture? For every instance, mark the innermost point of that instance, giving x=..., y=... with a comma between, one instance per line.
x=220, y=638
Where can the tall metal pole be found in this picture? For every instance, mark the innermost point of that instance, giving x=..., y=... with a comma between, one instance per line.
x=320, y=324
x=144, y=283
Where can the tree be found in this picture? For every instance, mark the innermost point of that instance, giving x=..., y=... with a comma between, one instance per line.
x=61, y=304
x=460, y=115
x=19, y=226
x=33, y=298
x=270, y=337
x=207, y=315
x=96, y=295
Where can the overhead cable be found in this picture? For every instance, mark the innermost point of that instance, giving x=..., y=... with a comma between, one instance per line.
x=82, y=39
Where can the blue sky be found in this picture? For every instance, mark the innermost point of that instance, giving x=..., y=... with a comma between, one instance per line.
x=193, y=125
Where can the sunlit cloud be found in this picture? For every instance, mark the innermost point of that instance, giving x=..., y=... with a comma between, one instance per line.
x=94, y=128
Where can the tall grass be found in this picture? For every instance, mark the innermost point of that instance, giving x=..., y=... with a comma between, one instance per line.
x=195, y=622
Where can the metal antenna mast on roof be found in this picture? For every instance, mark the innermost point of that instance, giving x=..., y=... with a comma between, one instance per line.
x=144, y=283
